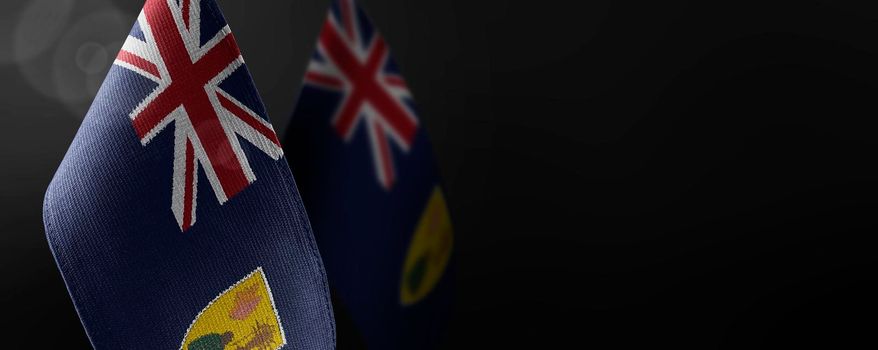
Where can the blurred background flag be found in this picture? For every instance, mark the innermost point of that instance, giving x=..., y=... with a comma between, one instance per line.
x=369, y=181
x=173, y=217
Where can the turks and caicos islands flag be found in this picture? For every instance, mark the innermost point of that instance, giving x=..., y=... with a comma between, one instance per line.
x=369, y=181
x=174, y=217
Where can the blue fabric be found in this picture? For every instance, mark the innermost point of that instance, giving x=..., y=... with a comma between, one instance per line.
x=136, y=279
x=363, y=230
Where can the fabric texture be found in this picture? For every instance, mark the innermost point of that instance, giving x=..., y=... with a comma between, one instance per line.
x=174, y=218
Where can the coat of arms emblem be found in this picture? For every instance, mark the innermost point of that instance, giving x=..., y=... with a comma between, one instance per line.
x=241, y=318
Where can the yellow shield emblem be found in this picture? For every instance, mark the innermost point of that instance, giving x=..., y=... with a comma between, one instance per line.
x=242, y=317
x=429, y=251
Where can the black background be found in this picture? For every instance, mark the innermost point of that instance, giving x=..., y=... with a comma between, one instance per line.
x=621, y=174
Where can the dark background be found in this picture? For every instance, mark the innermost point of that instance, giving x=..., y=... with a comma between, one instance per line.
x=695, y=174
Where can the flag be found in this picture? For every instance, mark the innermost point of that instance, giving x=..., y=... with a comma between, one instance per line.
x=174, y=219
x=369, y=181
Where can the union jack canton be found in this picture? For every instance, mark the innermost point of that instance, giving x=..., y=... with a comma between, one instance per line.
x=352, y=58
x=188, y=64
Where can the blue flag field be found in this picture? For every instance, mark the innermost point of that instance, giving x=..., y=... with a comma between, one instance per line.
x=366, y=170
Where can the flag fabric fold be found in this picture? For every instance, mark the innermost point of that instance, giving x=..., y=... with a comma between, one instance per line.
x=367, y=174
x=174, y=219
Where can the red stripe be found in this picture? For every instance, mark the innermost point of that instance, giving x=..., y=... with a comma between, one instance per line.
x=215, y=61
x=156, y=112
x=223, y=160
x=339, y=52
x=348, y=19
x=247, y=118
x=189, y=185
x=186, y=5
x=390, y=108
x=325, y=80
x=187, y=88
x=377, y=55
x=365, y=87
x=347, y=116
x=386, y=160
x=167, y=38
x=395, y=80
x=395, y=115
x=139, y=62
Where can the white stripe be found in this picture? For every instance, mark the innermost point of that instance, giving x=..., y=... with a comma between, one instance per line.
x=249, y=133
